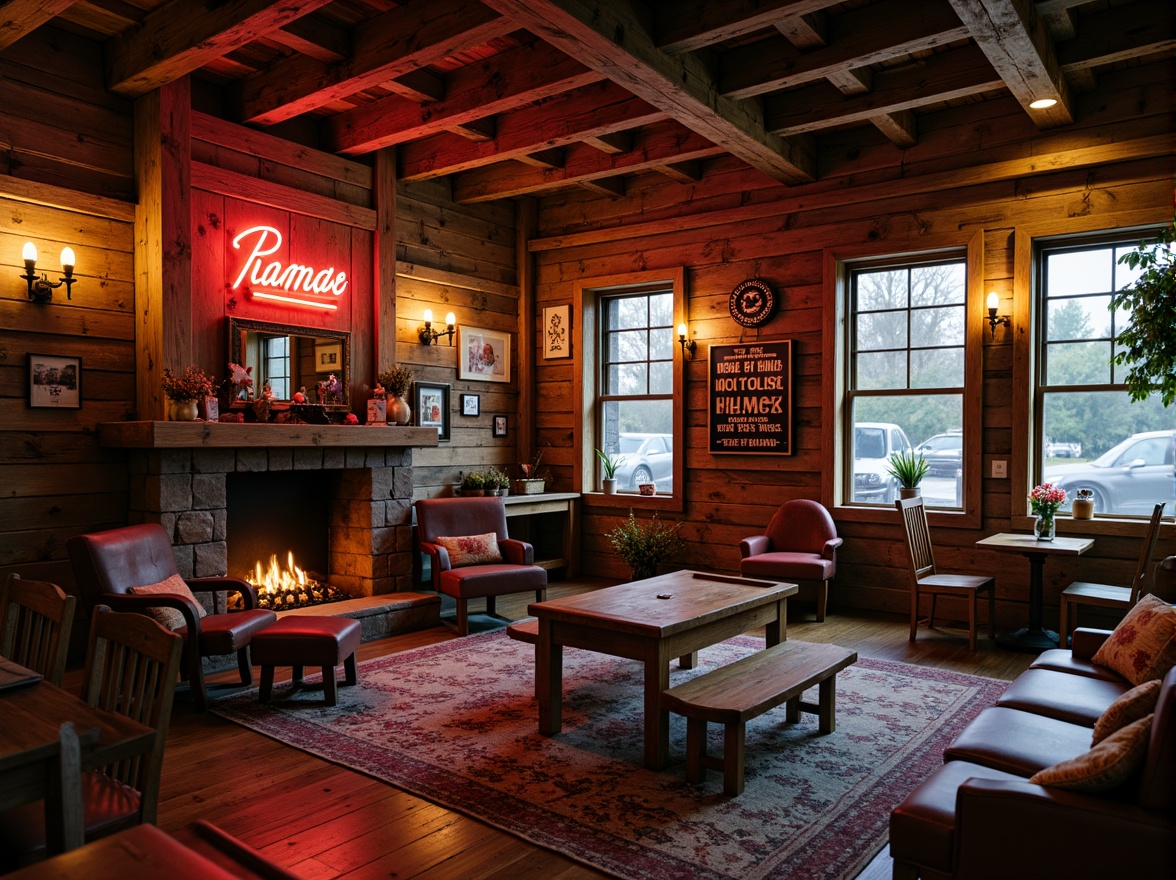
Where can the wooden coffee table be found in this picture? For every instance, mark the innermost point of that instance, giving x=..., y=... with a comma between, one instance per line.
x=653, y=621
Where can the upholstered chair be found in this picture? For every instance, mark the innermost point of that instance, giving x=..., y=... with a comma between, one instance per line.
x=134, y=569
x=799, y=546
x=485, y=563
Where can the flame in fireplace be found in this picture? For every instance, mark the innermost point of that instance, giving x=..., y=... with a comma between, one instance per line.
x=277, y=580
x=281, y=588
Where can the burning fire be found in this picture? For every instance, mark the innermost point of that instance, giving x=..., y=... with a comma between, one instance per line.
x=281, y=588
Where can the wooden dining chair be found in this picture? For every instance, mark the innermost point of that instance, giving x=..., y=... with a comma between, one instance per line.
x=1105, y=595
x=36, y=618
x=926, y=580
x=132, y=664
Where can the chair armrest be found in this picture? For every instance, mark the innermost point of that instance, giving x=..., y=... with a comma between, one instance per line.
x=438, y=560
x=830, y=549
x=1086, y=642
x=143, y=604
x=246, y=590
x=754, y=546
x=1054, y=832
x=517, y=552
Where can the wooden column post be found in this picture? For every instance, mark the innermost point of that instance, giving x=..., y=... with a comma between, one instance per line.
x=384, y=262
x=526, y=225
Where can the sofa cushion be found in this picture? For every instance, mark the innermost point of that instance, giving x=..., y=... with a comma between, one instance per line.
x=169, y=617
x=1143, y=645
x=471, y=549
x=1017, y=742
x=471, y=582
x=1064, y=660
x=1133, y=705
x=1108, y=765
x=1074, y=698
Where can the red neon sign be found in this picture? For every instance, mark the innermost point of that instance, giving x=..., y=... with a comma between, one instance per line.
x=291, y=284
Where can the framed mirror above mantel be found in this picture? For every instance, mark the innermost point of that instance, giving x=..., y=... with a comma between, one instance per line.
x=290, y=359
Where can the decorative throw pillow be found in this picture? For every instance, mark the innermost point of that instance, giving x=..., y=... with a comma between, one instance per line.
x=169, y=617
x=1143, y=645
x=472, y=549
x=1131, y=706
x=1105, y=766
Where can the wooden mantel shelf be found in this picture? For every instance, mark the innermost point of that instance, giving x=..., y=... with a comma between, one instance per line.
x=209, y=435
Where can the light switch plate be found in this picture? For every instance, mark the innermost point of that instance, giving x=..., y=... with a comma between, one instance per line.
x=1000, y=470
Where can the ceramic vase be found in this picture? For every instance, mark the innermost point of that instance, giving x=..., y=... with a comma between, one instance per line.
x=399, y=412
x=183, y=410
x=908, y=492
x=609, y=486
x=1044, y=528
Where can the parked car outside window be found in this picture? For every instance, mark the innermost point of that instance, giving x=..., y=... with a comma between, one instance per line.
x=645, y=458
x=873, y=444
x=944, y=454
x=1128, y=479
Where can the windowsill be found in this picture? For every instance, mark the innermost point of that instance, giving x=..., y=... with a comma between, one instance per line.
x=938, y=517
x=1100, y=525
x=625, y=500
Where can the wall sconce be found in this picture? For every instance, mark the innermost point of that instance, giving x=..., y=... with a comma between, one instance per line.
x=428, y=335
x=688, y=345
x=993, y=320
x=41, y=289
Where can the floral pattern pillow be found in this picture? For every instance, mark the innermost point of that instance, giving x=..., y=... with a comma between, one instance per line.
x=472, y=549
x=1106, y=766
x=169, y=617
x=1143, y=645
x=1131, y=706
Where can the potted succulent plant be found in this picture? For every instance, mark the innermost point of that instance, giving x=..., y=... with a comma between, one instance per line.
x=496, y=482
x=608, y=467
x=909, y=469
x=393, y=383
x=645, y=544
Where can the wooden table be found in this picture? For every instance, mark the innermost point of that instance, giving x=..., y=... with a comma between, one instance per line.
x=29, y=742
x=1033, y=638
x=653, y=621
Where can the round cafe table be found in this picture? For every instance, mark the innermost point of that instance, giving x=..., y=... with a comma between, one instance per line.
x=1033, y=638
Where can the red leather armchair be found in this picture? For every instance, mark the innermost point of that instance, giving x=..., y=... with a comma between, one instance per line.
x=108, y=564
x=799, y=545
x=459, y=517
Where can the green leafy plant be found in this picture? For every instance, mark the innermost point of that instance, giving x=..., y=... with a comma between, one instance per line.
x=495, y=479
x=473, y=480
x=1148, y=346
x=395, y=380
x=609, y=465
x=643, y=544
x=908, y=468
x=192, y=385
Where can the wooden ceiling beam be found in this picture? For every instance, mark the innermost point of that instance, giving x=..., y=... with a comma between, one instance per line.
x=697, y=24
x=182, y=36
x=397, y=42
x=419, y=86
x=870, y=35
x=317, y=36
x=1015, y=40
x=683, y=172
x=805, y=31
x=614, y=38
x=21, y=17
x=500, y=84
x=600, y=109
x=654, y=149
x=544, y=159
x=609, y=187
x=621, y=142
x=1119, y=34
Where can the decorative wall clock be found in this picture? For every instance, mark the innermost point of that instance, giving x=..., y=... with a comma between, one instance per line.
x=752, y=302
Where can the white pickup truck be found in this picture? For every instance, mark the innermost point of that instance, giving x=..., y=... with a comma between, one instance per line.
x=1062, y=450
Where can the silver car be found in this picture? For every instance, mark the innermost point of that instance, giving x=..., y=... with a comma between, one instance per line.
x=645, y=458
x=1130, y=478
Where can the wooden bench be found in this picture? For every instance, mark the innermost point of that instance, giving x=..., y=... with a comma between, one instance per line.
x=747, y=688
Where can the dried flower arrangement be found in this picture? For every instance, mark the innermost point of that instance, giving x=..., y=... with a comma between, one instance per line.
x=192, y=385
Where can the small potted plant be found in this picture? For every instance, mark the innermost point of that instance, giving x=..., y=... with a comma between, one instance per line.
x=496, y=482
x=608, y=466
x=643, y=545
x=394, y=382
x=185, y=392
x=534, y=478
x=909, y=469
x=473, y=485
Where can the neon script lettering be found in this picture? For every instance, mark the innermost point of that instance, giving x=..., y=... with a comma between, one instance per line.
x=288, y=283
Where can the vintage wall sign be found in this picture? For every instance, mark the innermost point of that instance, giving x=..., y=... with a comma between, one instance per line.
x=750, y=398
x=752, y=302
x=290, y=284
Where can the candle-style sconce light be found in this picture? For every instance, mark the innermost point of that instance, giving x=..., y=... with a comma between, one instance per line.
x=40, y=287
x=993, y=320
x=688, y=345
x=428, y=335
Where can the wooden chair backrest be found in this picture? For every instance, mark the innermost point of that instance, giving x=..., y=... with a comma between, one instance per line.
x=36, y=618
x=1149, y=545
x=132, y=664
x=918, y=536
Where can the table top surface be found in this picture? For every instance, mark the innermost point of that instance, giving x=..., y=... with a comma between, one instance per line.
x=660, y=606
x=1011, y=542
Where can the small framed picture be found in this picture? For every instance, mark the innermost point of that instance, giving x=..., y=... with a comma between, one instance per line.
x=328, y=356
x=483, y=355
x=500, y=426
x=432, y=407
x=471, y=405
x=55, y=382
x=557, y=335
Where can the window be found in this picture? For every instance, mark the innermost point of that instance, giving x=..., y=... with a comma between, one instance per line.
x=1089, y=433
x=904, y=377
x=276, y=365
x=631, y=387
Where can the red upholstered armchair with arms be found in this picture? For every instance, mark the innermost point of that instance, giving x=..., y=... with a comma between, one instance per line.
x=109, y=565
x=452, y=518
x=800, y=546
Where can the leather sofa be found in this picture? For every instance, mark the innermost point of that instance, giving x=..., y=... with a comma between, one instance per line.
x=978, y=817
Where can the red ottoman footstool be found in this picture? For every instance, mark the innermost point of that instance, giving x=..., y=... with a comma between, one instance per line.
x=299, y=641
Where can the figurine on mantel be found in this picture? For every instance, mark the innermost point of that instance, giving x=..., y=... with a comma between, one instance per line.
x=330, y=390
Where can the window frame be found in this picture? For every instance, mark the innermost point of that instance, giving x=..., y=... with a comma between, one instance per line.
x=587, y=295
x=838, y=265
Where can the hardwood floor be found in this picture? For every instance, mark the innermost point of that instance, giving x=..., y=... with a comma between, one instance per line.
x=324, y=821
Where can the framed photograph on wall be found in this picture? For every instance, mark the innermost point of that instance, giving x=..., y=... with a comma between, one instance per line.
x=431, y=403
x=328, y=357
x=557, y=332
x=483, y=355
x=500, y=426
x=471, y=405
x=55, y=382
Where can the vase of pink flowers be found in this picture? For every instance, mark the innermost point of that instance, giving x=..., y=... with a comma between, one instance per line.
x=1045, y=500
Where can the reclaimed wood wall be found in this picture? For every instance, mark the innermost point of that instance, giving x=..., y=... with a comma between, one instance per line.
x=1112, y=169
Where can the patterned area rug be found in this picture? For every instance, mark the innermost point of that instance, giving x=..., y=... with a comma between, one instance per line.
x=456, y=723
